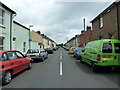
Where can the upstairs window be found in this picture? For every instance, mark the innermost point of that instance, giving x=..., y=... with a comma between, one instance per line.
x=1, y=17
x=101, y=22
x=24, y=46
x=1, y=43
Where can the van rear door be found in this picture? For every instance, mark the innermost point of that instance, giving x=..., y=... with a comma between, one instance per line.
x=107, y=54
x=117, y=53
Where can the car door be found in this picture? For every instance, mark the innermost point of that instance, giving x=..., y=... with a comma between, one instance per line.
x=14, y=61
x=5, y=65
x=22, y=60
x=107, y=53
x=117, y=54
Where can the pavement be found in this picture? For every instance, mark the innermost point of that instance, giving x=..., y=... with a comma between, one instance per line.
x=62, y=70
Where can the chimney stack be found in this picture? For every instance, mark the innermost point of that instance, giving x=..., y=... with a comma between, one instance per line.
x=88, y=28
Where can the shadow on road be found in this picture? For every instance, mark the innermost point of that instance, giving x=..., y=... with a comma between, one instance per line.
x=112, y=75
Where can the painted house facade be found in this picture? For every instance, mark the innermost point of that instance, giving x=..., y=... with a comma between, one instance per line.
x=73, y=42
x=20, y=37
x=36, y=40
x=6, y=26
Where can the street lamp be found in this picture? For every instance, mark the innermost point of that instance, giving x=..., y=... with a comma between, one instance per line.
x=30, y=37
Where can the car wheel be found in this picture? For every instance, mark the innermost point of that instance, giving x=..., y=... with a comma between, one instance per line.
x=74, y=55
x=42, y=59
x=7, y=77
x=81, y=60
x=29, y=66
x=94, y=67
x=46, y=56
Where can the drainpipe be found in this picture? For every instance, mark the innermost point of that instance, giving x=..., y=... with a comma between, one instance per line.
x=11, y=32
x=11, y=23
x=118, y=27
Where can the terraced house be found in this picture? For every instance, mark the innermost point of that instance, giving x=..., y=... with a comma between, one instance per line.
x=107, y=24
x=6, y=26
x=20, y=37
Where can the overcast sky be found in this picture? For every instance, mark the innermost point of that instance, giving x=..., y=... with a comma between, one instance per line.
x=58, y=20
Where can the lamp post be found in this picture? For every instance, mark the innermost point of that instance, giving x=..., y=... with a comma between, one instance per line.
x=30, y=37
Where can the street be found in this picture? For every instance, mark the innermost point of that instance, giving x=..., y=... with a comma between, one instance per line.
x=62, y=70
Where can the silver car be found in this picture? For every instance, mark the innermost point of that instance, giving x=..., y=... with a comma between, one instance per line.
x=37, y=54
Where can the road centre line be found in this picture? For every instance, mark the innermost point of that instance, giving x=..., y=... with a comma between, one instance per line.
x=61, y=67
x=61, y=56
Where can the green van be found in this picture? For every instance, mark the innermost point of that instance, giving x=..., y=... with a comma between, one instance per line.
x=105, y=53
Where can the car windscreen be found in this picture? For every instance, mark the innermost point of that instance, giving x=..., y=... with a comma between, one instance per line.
x=50, y=49
x=107, y=48
x=33, y=51
x=117, y=47
x=73, y=48
x=80, y=49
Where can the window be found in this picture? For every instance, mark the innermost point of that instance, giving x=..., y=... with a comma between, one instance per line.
x=24, y=46
x=1, y=43
x=100, y=37
x=117, y=47
x=19, y=55
x=33, y=51
x=1, y=17
x=107, y=48
x=4, y=57
x=12, y=55
x=101, y=22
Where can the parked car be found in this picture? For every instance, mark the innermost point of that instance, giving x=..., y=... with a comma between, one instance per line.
x=55, y=48
x=67, y=48
x=71, y=51
x=77, y=52
x=49, y=50
x=102, y=53
x=37, y=54
x=12, y=62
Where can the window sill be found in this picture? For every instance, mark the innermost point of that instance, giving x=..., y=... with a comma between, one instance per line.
x=2, y=26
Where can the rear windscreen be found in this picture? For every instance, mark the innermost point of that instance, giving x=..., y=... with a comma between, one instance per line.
x=107, y=48
x=117, y=47
x=33, y=51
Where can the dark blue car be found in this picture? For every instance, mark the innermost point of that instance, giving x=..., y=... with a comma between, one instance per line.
x=77, y=52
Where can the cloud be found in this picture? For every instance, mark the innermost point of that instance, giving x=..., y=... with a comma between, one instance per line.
x=58, y=20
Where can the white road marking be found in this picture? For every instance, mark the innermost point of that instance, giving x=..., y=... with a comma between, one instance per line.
x=61, y=56
x=61, y=68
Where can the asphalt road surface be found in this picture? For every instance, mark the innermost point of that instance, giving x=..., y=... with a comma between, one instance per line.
x=62, y=70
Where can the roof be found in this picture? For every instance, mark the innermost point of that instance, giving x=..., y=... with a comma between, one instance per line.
x=3, y=5
x=21, y=25
x=103, y=12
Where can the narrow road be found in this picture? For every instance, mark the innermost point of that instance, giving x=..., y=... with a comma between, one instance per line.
x=62, y=70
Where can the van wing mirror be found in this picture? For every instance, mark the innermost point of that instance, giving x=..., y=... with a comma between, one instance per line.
x=83, y=50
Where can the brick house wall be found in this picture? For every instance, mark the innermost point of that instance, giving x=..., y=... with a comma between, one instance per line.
x=109, y=29
x=85, y=37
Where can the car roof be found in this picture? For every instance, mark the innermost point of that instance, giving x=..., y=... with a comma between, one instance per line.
x=3, y=51
x=7, y=50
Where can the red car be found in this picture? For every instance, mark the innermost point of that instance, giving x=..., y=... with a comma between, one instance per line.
x=12, y=62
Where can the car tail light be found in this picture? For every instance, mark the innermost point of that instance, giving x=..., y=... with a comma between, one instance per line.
x=98, y=57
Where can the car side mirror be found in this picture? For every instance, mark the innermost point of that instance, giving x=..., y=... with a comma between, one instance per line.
x=83, y=50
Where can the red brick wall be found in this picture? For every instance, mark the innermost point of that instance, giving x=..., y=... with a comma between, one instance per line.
x=110, y=25
x=85, y=37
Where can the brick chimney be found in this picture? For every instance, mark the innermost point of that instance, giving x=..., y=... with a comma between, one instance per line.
x=88, y=28
x=38, y=32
